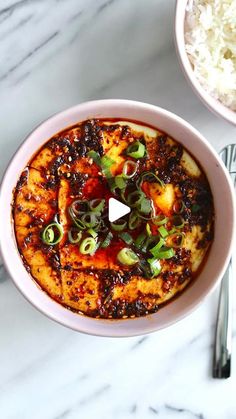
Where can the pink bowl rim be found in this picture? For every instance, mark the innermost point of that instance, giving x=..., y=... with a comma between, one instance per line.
x=210, y=102
x=129, y=331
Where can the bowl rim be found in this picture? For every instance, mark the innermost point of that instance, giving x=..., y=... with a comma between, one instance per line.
x=116, y=331
x=209, y=101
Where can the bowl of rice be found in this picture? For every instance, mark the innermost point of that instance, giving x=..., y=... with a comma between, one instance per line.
x=205, y=36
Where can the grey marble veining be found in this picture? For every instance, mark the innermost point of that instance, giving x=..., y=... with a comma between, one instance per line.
x=54, y=54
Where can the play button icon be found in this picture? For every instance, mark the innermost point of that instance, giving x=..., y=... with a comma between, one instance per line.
x=116, y=209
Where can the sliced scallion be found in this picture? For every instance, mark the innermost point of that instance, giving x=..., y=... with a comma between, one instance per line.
x=74, y=235
x=178, y=206
x=175, y=240
x=165, y=253
x=88, y=246
x=120, y=182
x=160, y=219
x=140, y=240
x=163, y=232
x=107, y=240
x=134, y=220
x=155, y=266
x=148, y=230
x=147, y=177
x=126, y=256
x=52, y=234
x=90, y=219
x=135, y=198
x=96, y=205
x=119, y=225
x=136, y=150
x=129, y=169
x=76, y=220
x=178, y=221
x=156, y=249
x=92, y=233
x=126, y=237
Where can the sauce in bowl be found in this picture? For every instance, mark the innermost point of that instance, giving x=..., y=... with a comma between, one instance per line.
x=128, y=268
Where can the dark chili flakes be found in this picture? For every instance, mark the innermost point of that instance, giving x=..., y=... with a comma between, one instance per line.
x=91, y=136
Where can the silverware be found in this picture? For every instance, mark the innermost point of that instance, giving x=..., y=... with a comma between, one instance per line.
x=223, y=338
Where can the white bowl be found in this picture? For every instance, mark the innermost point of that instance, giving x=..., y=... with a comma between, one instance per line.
x=213, y=104
x=223, y=195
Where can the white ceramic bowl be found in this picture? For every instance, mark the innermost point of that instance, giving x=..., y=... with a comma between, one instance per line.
x=213, y=104
x=224, y=209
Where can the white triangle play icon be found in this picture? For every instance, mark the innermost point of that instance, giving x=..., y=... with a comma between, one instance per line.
x=116, y=209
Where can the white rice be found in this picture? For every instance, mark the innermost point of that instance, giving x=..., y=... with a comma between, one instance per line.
x=210, y=37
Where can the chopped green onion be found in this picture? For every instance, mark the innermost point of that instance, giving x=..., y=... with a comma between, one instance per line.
x=126, y=237
x=140, y=240
x=126, y=256
x=52, y=234
x=155, y=250
x=178, y=206
x=135, y=198
x=90, y=219
x=136, y=150
x=134, y=220
x=92, y=233
x=88, y=246
x=82, y=204
x=165, y=253
x=129, y=169
x=145, y=206
x=95, y=156
x=163, y=232
x=107, y=240
x=178, y=221
x=106, y=163
x=149, y=176
x=175, y=240
x=97, y=205
x=159, y=220
x=155, y=266
x=74, y=235
x=148, y=230
x=120, y=182
x=76, y=220
x=119, y=225
x=195, y=208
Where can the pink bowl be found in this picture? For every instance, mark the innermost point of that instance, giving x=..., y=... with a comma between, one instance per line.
x=224, y=209
x=214, y=105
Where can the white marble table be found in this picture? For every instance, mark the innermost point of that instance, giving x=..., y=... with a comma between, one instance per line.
x=54, y=54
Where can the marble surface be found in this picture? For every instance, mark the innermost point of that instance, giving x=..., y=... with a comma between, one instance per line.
x=54, y=54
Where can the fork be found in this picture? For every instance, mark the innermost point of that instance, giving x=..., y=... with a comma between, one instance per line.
x=223, y=338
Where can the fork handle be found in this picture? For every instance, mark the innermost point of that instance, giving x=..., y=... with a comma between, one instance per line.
x=223, y=339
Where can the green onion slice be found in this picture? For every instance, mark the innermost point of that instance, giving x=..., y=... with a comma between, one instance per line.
x=76, y=220
x=119, y=225
x=165, y=253
x=175, y=240
x=126, y=237
x=163, y=232
x=126, y=256
x=97, y=205
x=120, y=182
x=134, y=220
x=79, y=207
x=160, y=219
x=92, y=232
x=107, y=240
x=88, y=246
x=140, y=240
x=136, y=150
x=178, y=206
x=95, y=156
x=135, y=198
x=129, y=169
x=148, y=230
x=148, y=176
x=52, y=234
x=155, y=250
x=90, y=219
x=74, y=235
x=155, y=266
x=178, y=221
x=145, y=206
